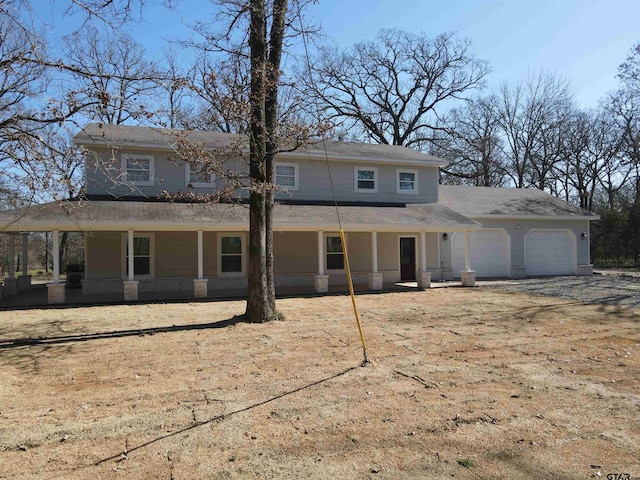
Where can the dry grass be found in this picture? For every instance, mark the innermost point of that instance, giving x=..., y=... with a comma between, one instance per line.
x=468, y=383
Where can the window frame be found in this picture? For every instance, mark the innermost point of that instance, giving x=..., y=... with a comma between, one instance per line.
x=357, y=189
x=133, y=156
x=243, y=253
x=152, y=253
x=296, y=178
x=189, y=183
x=399, y=191
x=327, y=253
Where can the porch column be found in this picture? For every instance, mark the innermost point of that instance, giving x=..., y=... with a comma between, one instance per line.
x=467, y=265
x=24, y=281
x=56, y=290
x=375, y=278
x=200, y=284
x=424, y=277
x=55, y=252
x=11, y=283
x=321, y=281
x=467, y=276
x=130, y=285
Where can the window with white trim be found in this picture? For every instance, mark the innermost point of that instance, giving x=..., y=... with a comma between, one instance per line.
x=406, y=181
x=286, y=175
x=143, y=249
x=366, y=179
x=138, y=169
x=335, y=257
x=231, y=254
x=196, y=175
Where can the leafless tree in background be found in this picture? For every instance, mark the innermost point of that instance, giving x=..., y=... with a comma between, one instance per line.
x=394, y=88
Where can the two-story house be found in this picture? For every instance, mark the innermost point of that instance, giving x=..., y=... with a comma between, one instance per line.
x=400, y=224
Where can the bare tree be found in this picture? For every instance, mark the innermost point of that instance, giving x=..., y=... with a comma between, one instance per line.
x=175, y=89
x=531, y=114
x=472, y=144
x=111, y=74
x=590, y=148
x=31, y=120
x=392, y=89
x=221, y=86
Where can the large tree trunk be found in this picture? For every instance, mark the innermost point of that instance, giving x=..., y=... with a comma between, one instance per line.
x=259, y=307
x=265, y=72
x=271, y=121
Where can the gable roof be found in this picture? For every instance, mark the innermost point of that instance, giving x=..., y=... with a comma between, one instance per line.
x=481, y=202
x=156, y=216
x=124, y=136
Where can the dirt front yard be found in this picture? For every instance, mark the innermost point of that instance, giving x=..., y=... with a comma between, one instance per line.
x=464, y=383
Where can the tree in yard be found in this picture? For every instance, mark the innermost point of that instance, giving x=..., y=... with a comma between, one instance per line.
x=471, y=143
x=112, y=75
x=253, y=43
x=220, y=88
x=392, y=90
x=265, y=70
x=590, y=152
x=32, y=121
x=531, y=115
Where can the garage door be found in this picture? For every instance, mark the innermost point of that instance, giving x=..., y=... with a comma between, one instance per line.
x=488, y=250
x=550, y=252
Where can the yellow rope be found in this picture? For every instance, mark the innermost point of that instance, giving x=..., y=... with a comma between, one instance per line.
x=353, y=296
x=335, y=202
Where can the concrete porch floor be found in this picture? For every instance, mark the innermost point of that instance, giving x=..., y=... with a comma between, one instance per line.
x=37, y=295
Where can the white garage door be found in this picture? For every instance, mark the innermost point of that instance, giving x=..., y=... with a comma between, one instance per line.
x=488, y=250
x=550, y=252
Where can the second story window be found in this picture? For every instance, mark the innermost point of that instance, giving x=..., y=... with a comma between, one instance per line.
x=139, y=169
x=406, y=181
x=366, y=179
x=196, y=175
x=286, y=175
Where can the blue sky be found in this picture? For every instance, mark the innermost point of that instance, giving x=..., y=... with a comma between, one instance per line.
x=583, y=41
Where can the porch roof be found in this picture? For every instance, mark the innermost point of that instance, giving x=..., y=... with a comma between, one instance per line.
x=163, y=216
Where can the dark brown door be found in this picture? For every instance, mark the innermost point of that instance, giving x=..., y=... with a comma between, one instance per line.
x=407, y=258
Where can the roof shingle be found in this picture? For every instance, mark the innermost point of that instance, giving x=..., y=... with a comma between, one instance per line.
x=483, y=201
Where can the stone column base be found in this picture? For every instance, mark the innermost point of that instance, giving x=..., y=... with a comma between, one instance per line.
x=585, y=270
x=24, y=283
x=10, y=287
x=518, y=272
x=200, y=287
x=424, y=279
x=375, y=281
x=321, y=283
x=130, y=290
x=468, y=278
x=55, y=293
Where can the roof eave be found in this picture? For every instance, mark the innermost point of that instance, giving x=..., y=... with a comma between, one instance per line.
x=171, y=225
x=531, y=217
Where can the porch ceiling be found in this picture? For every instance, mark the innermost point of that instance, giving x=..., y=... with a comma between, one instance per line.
x=158, y=216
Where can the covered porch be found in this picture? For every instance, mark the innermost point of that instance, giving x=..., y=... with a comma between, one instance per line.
x=183, y=250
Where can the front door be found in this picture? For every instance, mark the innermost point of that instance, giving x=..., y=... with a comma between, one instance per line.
x=407, y=258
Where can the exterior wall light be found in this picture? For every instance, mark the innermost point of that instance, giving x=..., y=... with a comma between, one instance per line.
x=584, y=235
x=445, y=237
